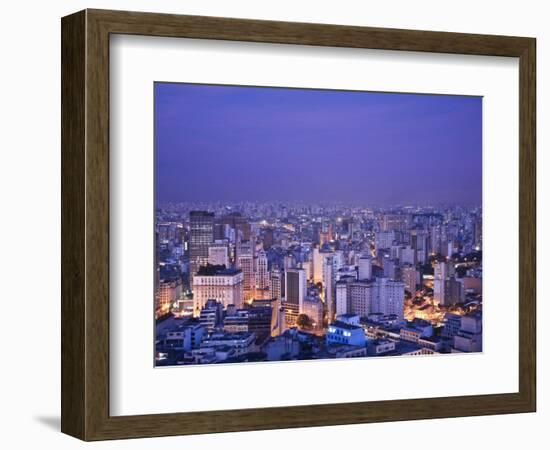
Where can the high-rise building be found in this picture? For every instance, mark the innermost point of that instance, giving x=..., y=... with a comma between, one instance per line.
x=329, y=292
x=313, y=308
x=268, y=237
x=390, y=267
x=395, y=222
x=380, y=295
x=317, y=260
x=331, y=265
x=360, y=298
x=246, y=261
x=169, y=291
x=446, y=291
x=385, y=239
x=409, y=276
x=239, y=223
x=218, y=253
x=365, y=268
x=454, y=291
x=262, y=276
x=217, y=283
x=407, y=255
x=440, y=275
x=295, y=287
x=201, y=235
x=389, y=297
x=343, y=300
x=276, y=284
x=419, y=244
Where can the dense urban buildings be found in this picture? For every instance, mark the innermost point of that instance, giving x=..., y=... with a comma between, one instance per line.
x=308, y=224
x=384, y=282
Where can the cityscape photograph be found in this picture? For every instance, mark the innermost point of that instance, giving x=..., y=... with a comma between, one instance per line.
x=306, y=224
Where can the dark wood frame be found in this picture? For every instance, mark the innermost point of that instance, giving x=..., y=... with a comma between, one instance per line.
x=85, y=224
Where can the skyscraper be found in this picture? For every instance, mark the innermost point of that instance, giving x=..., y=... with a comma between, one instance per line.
x=365, y=268
x=218, y=253
x=441, y=275
x=409, y=276
x=246, y=262
x=201, y=235
x=276, y=284
x=238, y=223
x=295, y=286
x=262, y=276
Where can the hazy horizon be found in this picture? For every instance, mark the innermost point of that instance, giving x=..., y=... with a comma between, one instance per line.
x=226, y=143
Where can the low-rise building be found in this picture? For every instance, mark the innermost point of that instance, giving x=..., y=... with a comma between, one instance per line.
x=380, y=347
x=343, y=333
x=242, y=342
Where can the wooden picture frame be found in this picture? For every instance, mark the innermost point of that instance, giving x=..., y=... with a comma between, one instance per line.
x=85, y=224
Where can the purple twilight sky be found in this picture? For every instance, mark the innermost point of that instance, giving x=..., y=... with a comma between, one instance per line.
x=233, y=143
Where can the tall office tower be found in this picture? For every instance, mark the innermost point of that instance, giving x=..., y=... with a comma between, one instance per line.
x=419, y=242
x=435, y=239
x=295, y=292
x=239, y=223
x=409, y=276
x=316, y=231
x=246, y=262
x=454, y=291
x=384, y=239
x=338, y=261
x=217, y=283
x=440, y=276
x=268, y=237
x=220, y=230
x=329, y=279
x=289, y=262
x=326, y=234
x=295, y=287
x=276, y=284
x=332, y=264
x=395, y=222
x=262, y=276
x=201, y=235
x=343, y=299
x=360, y=298
x=390, y=268
x=365, y=268
x=218, y=253
x=388, y=297
x=317, y=259
x=407, y=255
x=307, y=266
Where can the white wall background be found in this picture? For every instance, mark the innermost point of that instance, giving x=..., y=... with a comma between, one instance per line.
x=30, y=223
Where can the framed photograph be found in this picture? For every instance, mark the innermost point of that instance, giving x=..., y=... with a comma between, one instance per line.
x=273, y=225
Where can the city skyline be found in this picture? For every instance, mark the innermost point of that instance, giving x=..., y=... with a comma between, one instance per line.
x=294, y=139
x=296, y=224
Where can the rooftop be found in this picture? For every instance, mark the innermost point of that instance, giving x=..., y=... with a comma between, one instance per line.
x=346, y=326
x=214, y=270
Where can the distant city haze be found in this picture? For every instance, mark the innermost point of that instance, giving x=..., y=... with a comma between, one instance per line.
x=237, y=143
